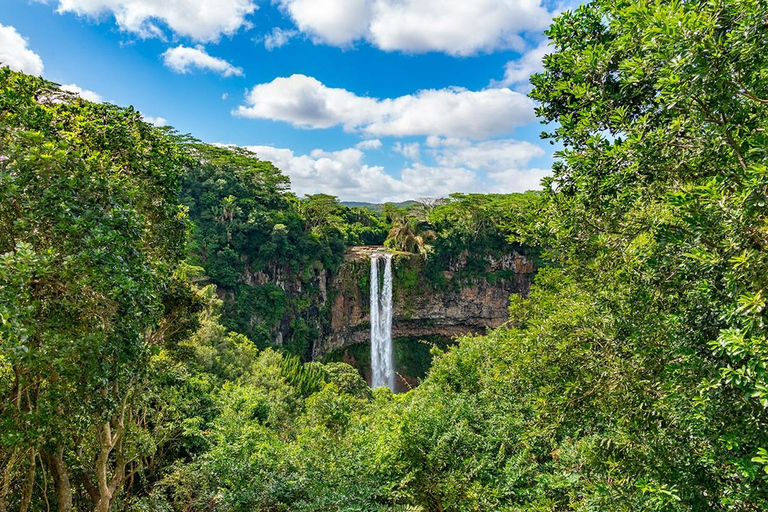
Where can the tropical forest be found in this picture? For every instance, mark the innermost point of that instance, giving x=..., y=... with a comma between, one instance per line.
x=181, y=331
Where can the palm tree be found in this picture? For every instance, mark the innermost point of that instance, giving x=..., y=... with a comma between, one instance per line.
x=409, y=233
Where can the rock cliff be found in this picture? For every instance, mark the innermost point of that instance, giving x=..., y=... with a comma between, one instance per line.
x=435, y=301
x=460, y=304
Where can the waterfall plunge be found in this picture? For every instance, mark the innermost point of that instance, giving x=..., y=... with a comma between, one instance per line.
x=382, y=357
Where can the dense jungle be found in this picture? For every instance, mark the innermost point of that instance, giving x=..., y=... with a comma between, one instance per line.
x=163, y=302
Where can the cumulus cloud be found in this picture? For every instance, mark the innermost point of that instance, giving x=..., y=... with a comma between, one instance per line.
x=518, y=180
x=369, y=144
x=420, y=180
x=434, y=141
x=411, y=150
x=184, y=59
x=518, y=72
x=488, y=155
x=345, y=174
x=83, y=93
x=279, y=37
x=15, y=54
x=305, y=102
x=455, y=27
x=341, y=173
x=336, y=22
x=201, y=20
x=157, y=121
x=503, y=164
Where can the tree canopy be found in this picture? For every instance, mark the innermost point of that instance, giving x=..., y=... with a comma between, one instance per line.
x=632, y=378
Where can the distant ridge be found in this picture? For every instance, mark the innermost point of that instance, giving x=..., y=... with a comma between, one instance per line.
x=377, y=207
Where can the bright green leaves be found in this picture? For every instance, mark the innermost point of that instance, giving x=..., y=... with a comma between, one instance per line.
x=661, y=495
x=748, y=360
x=661, y=185
x=762, y=458
x=90, y=231
x=751, y=305
x=20, y=271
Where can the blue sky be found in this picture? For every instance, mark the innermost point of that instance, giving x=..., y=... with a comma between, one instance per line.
x=369, y=100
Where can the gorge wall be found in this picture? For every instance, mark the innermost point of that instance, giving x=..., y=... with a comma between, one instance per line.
x=466, y=294
x=460, y=305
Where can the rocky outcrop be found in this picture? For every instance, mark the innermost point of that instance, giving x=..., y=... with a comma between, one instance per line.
x=459, y=305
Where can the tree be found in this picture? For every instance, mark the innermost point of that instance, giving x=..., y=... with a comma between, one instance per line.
x=90, y=233
x=661, y=111
x=410, y=232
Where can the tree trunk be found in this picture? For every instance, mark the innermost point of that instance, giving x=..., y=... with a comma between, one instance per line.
x=102, y=505
x=7, y=477
x=93, y=493
x=110, y=441
x=26, y=493
x=60, y=480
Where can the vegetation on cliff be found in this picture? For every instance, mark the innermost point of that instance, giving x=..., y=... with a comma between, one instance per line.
x=255, y=241
x=633, y=378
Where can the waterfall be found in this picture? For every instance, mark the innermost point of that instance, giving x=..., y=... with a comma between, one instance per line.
x=382, y=356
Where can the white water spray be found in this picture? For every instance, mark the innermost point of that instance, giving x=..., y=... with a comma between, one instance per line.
x=382, y=357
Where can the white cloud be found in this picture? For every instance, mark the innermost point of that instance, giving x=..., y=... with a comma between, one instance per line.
x=279, y=37
x=490, y=155
x=224, y=96
x=336, y=22
x=455, y=27
x=519, y=180
x=341, y=173
x=421, y=180
x=201, y=20
x=157, y=121
x=411, y=150
x=184, y=59
x=433, y=141
x=369, y=144
x=15, y=54
x=503, y=164
x=518, y=72
x=83, y=93
x=305, y=102
x=345, y=174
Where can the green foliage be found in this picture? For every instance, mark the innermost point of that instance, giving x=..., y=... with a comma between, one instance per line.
x=243, y=221
x=632, y=378
x=346, y=379
x=481, y=223
x=307, y=378
x=325, y=216
x=471, y=228
x=90, y=235
x=410, y=232
x=660, y=184
x=254, y=240
x=407, y=280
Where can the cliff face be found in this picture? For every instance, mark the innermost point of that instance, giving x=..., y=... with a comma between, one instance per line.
x=330, y=311
x=459, y=305
x=303, y=301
